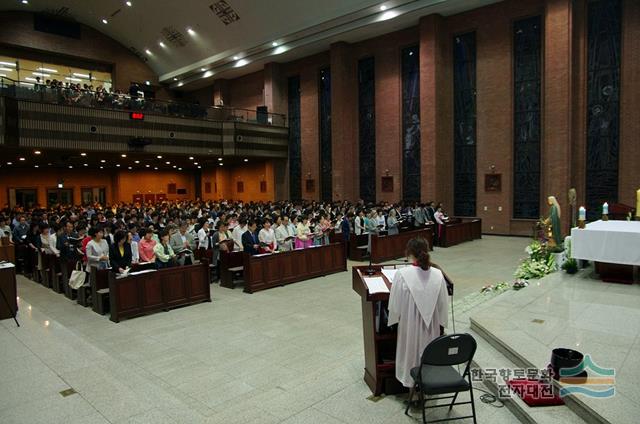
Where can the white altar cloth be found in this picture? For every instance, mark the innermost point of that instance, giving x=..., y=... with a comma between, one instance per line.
x=616, y=242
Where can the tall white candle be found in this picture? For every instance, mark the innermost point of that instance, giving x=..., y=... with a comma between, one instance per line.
x=582, y=213
x=605, y=209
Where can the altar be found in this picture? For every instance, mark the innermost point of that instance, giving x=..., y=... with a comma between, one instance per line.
x=614, y=247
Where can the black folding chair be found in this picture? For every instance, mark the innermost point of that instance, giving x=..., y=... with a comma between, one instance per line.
x=437, y=376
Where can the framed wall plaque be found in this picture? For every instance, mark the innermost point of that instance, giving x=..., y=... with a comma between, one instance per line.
x=310, y=186
x=493, y=183
x=387, y=184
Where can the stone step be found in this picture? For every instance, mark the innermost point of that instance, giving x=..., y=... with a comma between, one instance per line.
x=496, y=353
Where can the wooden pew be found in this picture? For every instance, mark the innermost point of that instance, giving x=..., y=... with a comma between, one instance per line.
x=277, y=269
x=230, y=264
x=100, y=285
x=385, y=248
x=459, y=230
x=358, y=246
x=7, y=250
x=159, y=290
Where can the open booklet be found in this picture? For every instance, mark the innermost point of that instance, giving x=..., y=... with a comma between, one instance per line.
x=185, y=252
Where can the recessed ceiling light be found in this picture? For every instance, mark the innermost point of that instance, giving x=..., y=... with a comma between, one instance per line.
x=83, y=154
x=128, y=3
x=123, y=155
x=383, y=7
x=147, y=51
x=104, y=21
x=179, y=169
x=235, y=58
x=274, y=44
x=174, y=166
x=102, y=160
x=148, y=166
x=241, y=63
x=246, y=160
x=9, y=163
x=147, y=82
x=219, y=158
x=23, y=159
x=175, y=79
x=25, y=1
x=130, y=168
x=118, y=165
x=102, y=167
x=199, y=167
x=86, y=164
x=190, y=157
x=136, y=161
x=36, y=166
x=155, y=167
x=159, y=156
x=203, y=69
x=161, y=44
x=180, y=84
x=195, y=163
x=168, y=163
x=221, y=164
x=37, y=152
x=70, y=166
x=191, y=31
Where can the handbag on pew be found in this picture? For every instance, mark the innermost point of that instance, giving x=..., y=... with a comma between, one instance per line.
x=77, y=278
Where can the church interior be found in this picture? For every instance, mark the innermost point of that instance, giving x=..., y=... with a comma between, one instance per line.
x=336, y=212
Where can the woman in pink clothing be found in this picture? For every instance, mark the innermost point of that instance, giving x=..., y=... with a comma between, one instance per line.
x=145, y=247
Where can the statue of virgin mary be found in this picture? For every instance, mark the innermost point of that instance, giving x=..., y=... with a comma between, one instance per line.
x=554, y=221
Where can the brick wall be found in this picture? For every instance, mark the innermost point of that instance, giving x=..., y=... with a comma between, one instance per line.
x=246, y=92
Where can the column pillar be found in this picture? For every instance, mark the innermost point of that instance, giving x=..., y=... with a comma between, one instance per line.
x=557, y=135
x=344, y=123
x=436, y=111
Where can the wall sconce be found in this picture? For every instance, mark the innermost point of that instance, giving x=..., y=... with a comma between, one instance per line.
x=308, y=174
x=386, y=172
x=492, y=168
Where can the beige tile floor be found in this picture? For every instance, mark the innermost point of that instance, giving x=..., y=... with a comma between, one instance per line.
x=287, y=355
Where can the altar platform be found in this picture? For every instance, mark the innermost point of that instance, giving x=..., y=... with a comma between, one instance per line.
x=579, y=312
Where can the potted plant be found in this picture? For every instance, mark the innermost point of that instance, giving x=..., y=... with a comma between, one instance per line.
x=570, y=266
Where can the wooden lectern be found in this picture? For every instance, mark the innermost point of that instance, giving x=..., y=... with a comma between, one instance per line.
x=379, y=339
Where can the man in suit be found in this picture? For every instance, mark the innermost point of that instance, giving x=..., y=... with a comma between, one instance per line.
x=181, y=240
x=431, y=212
x=250, y=242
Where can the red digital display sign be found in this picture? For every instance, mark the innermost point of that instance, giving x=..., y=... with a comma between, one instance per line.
x=137, y=116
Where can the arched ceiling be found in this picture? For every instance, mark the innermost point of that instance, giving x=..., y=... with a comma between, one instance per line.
x=187, y=42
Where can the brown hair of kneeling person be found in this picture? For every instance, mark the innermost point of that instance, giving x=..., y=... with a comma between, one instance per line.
x=418, y=252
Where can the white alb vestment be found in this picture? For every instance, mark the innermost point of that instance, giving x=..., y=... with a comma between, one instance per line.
x=419, y=304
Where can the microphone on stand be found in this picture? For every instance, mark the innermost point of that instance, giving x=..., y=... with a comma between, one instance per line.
x=370, y=271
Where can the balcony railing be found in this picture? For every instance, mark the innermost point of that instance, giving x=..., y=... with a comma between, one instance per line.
x=121, y=101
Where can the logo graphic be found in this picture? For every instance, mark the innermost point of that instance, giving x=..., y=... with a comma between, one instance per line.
x=588, y=379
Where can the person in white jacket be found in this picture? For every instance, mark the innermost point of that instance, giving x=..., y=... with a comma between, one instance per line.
x=419, y=304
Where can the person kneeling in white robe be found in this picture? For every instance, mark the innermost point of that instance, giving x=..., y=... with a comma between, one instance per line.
x=419, y=304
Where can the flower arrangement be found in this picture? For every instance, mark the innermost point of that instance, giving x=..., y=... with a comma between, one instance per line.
x=520, y=283
x=539, y=263
x=499, y=287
